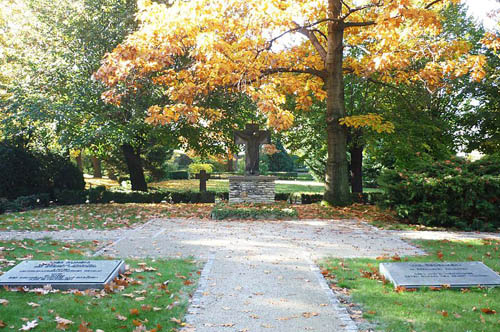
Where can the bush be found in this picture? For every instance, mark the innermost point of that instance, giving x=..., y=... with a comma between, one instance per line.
x=21, y=173
x=30, y=202
x=223, y=211
x=3, y=205
x=196, y=168
x=61, y=173
x=454, y=193
x=34, y=173
x=311, y=198
x=178, y=175
x=284, y=175
x=193, y=197
x=71, y=197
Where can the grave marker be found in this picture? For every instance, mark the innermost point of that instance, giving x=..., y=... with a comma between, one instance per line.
x=437, y=274
x=203, y=176
x=63, y=274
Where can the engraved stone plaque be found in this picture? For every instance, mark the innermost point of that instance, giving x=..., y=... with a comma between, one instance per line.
x=64, y=274
x=436, y=274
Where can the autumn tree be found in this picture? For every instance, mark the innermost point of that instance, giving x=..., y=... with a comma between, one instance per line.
x=268, y=49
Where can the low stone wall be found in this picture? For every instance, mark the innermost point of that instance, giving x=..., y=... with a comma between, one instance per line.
x=251, y=189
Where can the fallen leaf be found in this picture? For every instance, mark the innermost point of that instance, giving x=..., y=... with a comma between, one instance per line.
x=175, y=320
x=2, y=324
x=488, y=311
x=444, y=313
x=4, y=301
x=120, y=317
x=309, y=314
x=29, y=325
x=62, y=323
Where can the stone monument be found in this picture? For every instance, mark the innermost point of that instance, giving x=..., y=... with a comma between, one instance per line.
x=63, y=274
x=251, y=187
x=437, y=274
x=203, y=176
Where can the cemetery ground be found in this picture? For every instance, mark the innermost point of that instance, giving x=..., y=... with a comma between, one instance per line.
x=153, y=292
x=247, y=259
x=375, y=302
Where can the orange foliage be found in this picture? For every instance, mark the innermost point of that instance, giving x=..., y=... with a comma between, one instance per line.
x=258, y=47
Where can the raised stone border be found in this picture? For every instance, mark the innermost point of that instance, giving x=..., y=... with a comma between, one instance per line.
x=195, y=303
x=342, y=314
x=251, y=189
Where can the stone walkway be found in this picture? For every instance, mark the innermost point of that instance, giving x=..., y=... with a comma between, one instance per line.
x=259, y=275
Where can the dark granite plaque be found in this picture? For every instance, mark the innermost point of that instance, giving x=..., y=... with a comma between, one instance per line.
x=65, y=274
x=454, y=274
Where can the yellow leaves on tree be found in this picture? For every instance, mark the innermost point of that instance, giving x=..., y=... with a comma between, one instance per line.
x=269, y=49
x=370, y=120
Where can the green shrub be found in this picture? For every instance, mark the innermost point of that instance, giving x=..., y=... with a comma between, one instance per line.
x=71, y=197
x=61, y=173
x=196, y=168
x=284, y=175
x=223, y=211
x=21, y=172
x=31, y=202
x=96, y=194
x=311, y=198
x=454, y=193
x=178, y=175
x=281, y=196
x=3, y=205
x=193, y=197
x=34, y=173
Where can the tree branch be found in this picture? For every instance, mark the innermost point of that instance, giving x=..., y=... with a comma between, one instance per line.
x=321, y=33
x=432, y=4
x=359, y=24
x=312, y=37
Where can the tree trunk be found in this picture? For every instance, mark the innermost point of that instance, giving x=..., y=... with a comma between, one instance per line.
x=134, y=164
x=96, y=165
x=357, y=168
x=230, y=163
x=79, y=161
x=336, y=179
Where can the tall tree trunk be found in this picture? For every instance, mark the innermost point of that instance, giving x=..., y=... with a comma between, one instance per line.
x=79, y=161
x=134, y=164
x=356, y=168
x=336, y=180
x=230, y=164
x=96, y=165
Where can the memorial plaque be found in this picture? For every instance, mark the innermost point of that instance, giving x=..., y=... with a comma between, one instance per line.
x=65, y=274
x=454, y=274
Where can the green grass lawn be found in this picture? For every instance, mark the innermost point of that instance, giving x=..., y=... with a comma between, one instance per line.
x=422, y=310
x=223, y=186
x=140, y=299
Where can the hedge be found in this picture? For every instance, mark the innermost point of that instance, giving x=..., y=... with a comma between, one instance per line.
x=454, y=193
x=178, y=175
x=224, y=211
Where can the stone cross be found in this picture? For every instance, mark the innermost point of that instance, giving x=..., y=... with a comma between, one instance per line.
x=203, y=176
x=252, y=137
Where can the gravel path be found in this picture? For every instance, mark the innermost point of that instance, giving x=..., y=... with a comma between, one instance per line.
x=259, y=275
